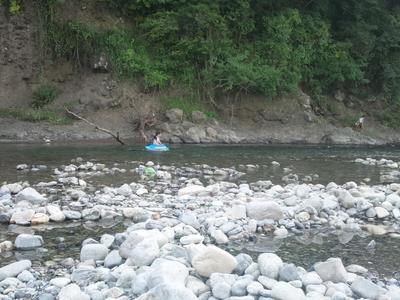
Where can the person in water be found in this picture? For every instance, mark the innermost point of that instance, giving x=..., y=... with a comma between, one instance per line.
x=156, y=138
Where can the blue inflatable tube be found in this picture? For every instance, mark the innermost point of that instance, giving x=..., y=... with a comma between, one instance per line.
x=159, y=148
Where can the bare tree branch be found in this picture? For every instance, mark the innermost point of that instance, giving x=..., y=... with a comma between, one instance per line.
x=115, y=136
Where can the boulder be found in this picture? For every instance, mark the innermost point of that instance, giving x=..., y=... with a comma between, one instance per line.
x=22, y=217
x=174, y=115
x=198, y=117
x=269, y=264
x=94, y=251
x=28, y=241
x=381, y=212
x=288, y=272
x=261, y=210
x=13, y=269
x=144, y=253
x=286, y=291
x=331, y=270
x=164, y=271
x=191, y=190
x=168, y=292
x=113, y=259
x=212, y=259
x=72, y=292
x=195, y=135
x=31, y=195
x=55, y=213
x=366, y=289
x=40, y=218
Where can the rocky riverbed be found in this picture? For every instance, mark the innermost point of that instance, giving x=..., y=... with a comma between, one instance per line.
x=182, y=220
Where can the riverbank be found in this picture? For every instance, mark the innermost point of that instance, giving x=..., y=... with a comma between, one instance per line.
x=182, y=221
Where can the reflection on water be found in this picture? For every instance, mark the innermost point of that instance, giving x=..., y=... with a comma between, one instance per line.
x=313, y=246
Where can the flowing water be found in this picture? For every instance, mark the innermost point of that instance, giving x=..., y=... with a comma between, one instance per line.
x=331, y=163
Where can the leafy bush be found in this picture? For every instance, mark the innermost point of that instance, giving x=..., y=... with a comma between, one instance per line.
x=44, y=95
x=391, y=116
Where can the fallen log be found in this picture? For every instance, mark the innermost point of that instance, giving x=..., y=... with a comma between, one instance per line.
x=115, y=136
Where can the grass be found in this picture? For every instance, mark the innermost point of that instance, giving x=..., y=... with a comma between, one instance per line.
x=35, y=115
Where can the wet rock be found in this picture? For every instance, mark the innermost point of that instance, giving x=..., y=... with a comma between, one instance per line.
x=28, y=241
x=269, y=264
x=261, y=210
x=94, y=251
x=55, y=213
x=213, y=260
x=331, y=270
x=13, y=269
x=40, y=218
x=191, y=190
x=22, y=217
x=366, y=289
x=31, y=195
x=72, y=292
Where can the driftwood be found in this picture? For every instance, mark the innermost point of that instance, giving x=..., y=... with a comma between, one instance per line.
x=115, y=136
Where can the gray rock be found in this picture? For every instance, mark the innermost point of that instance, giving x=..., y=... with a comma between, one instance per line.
x=168, y=291
x=28, y=241
x=25, y=276
x=221, y=290
x=84, y=276
x=72, y=292
x=46, y=296
x=191, y=190
x=137, y=214
x=269, y=264
x=285, y=291
x=13, y=269
x=113, y=259
x=310, y=278
x=174, y=115
x=163, y=271
x=331, y=270
x=243, y=262
x=366, y=288
x=213, y=260
x=144, y=253
x=22, y=217
x=288, y=272
x=261, y=210
x=72, y=215
x=239, y=287
x=31, y=195
x=60, y=281
x=94, y=251
x=255, y=288
x=55, y=213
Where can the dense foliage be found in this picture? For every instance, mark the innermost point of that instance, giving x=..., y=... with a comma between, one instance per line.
x=261, y=46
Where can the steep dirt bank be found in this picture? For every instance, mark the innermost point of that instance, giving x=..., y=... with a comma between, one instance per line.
x=117, y=105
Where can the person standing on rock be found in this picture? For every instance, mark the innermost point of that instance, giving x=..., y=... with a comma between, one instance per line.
x=360, y=123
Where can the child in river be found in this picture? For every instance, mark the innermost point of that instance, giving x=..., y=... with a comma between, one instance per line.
x=156, y=138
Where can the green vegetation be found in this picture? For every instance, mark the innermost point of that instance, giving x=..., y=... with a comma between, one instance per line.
x=244, y=46
x=13, y=6
x=44, y=95
x=189, y=105
x=35, y=115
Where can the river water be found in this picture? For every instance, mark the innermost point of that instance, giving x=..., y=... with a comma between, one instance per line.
x=330, y=163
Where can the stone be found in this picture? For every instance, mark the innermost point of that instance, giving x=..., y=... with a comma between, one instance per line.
x=237, y=212
x=25, y=276
x=303, y=216
x=331, y=270
x=243, y=262
x=366, y=288
x=195, y=135
x=107, y=240
x=191, y=239
x=167, y=291
x=219, y=236
x=191, y=190
x=197, y=286
x=269, y=264
x=356, y=269
x=137, y=214
x=144, y=253
x=60, y=281
x=310, y=278
x=22, y=217
x=163, y=271
x=31, y=195
x=212, y=259
x=381, y=212
x=261, y=210
x=124, y=190
x=56, y=215
x=239, y=287
x=254, y=288
x=28, y=241
x=40, y=218
x=72, y=292
x=93, y=251
x=72, y=215
x=375, y=229
x=285, y=291
x=84, y=275
x=288, y=272
x=13, y=269
x=6, y=246
x=198, y=117
x=221, y=290
x=370, y=212
x=174, y=115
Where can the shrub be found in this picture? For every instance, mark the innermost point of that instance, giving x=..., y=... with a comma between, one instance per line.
x=43, y=96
